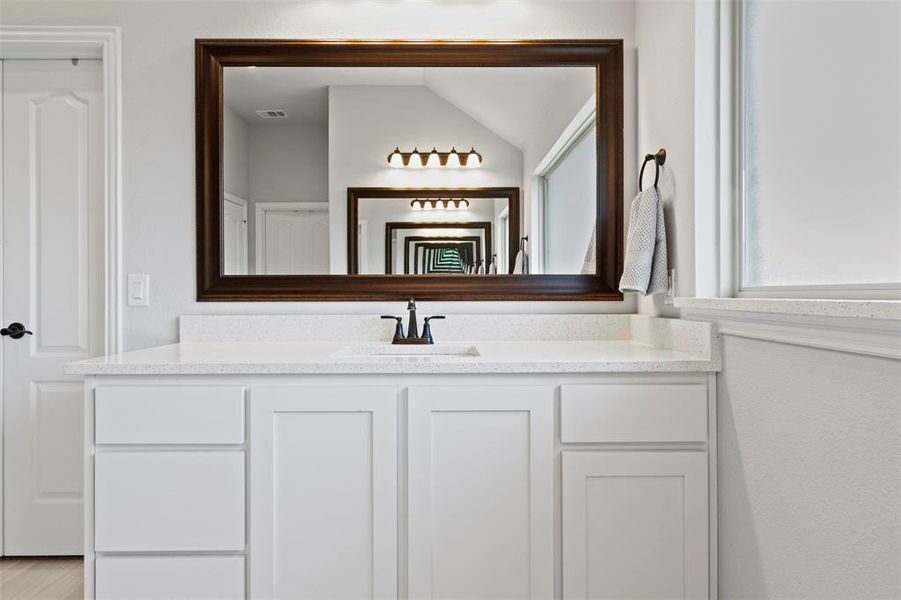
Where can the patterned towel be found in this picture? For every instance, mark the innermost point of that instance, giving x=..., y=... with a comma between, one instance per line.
x=521, y=264
x=645, y=268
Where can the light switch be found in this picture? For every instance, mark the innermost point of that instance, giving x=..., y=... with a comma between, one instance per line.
x=139, y=290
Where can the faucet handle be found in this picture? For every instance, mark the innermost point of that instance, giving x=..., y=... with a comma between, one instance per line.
x=427, y=329
x=399, y=328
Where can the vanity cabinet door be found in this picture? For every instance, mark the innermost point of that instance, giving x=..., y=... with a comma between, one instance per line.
x=634, y=525
x=323, y=492
x=481, y=492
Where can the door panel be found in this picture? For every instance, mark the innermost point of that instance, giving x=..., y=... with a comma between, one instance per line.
x=634, y=525
x=481, y=485
x=234, y=233
x=296, y=242
x=323, y=495
x=53, y=283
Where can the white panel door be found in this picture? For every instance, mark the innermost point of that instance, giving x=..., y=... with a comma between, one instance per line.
x=481, y=492
x=323, y=492
x=53, y=283
x=634, y=525
x=296, y=242
x=234, y=235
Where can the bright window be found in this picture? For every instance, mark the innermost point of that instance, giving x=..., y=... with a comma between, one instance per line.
x=820, y=167
x=570, y=192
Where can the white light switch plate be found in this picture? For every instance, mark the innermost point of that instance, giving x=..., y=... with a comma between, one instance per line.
x=139, y=290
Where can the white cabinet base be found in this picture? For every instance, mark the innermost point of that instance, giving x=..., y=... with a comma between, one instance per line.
x=383, y=486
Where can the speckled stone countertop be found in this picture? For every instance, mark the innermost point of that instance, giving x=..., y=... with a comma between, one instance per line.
x=860, y=309
x=621, y=343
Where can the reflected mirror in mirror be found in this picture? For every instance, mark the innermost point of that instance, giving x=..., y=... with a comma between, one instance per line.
x=429, y=232
x=301, y=145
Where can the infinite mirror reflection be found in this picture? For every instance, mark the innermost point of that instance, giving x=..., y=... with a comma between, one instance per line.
x=296, y=140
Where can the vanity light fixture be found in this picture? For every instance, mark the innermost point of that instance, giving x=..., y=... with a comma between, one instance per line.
x=435, y=159
x=439, y=204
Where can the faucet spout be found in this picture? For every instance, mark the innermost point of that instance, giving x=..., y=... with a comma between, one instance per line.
x=412, y=326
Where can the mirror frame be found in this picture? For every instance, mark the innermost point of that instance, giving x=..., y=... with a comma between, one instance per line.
x=212, y=55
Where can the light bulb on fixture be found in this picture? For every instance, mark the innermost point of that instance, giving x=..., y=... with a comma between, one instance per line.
x=434, y=159
x=473, y=159
x=416, y=205
x=396, y=159
x=463, y=204
x=415, y=160
x=453, y=159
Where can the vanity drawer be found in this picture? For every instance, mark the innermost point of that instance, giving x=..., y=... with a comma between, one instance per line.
x=633, y=413
x=169, y=414
x=169, y=578
x=175, y=501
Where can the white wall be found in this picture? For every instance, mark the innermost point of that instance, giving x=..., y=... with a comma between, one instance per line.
x=158, y=114
x=235, y=154
x=665, y=39
x=809, y=473
x=367, y=122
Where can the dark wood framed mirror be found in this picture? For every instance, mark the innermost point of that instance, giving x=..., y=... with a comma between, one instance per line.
x=244, y=78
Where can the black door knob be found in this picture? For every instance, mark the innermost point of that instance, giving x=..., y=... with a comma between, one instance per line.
x=15, y=331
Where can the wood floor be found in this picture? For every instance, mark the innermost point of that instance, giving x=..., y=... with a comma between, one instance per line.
x=41, y=579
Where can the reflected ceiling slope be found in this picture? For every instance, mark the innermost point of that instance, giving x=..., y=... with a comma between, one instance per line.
x=514, y=103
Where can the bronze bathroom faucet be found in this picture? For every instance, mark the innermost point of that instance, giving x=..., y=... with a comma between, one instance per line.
x=413, y=336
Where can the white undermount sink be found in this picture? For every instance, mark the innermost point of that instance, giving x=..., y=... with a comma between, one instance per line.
x=388, y=350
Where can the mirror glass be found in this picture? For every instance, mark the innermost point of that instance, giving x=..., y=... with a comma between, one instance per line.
x=298, y=140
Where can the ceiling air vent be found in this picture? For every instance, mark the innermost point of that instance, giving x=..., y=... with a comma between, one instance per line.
x=272, y=113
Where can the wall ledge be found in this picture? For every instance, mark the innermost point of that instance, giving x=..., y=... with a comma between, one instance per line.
x=860, y=309
x=854, y=334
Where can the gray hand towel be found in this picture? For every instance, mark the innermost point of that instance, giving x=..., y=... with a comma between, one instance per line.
x=645, y=268
x=521, y=264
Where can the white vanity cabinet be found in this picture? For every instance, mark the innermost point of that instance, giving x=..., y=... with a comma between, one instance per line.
x=481, y=486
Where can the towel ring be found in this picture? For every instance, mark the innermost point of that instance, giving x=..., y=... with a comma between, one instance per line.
x=659, y=159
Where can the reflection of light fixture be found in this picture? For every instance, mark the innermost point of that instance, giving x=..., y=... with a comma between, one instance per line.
x=435, y=159
x=439, y=204
x=396, y=159
x=453, y=159
x=415, y=160
x=473, y=159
